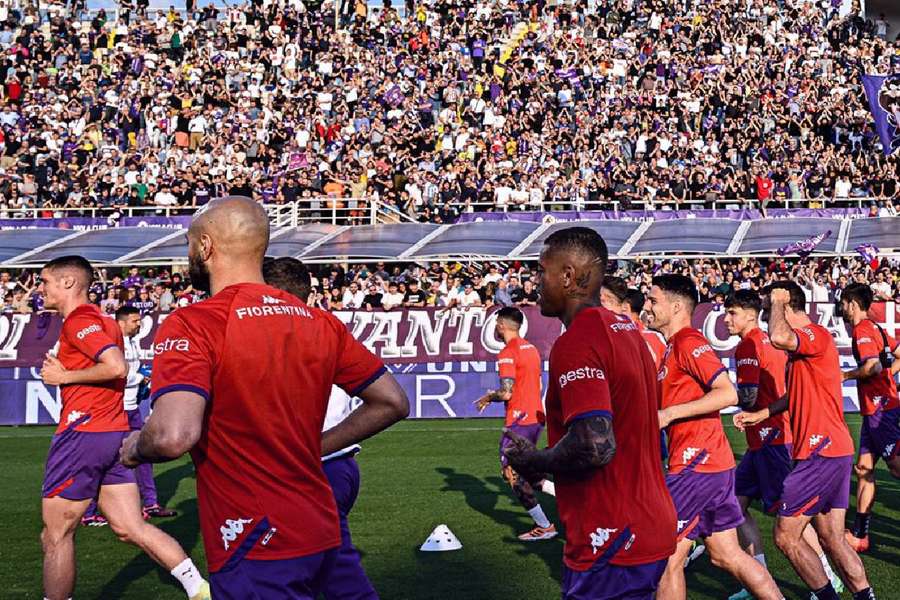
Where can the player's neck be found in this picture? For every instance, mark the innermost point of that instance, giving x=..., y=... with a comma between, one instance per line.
x=572, y=310
x=67, y=307
x=747, y=331
x=674, y=327
x=237, y=274
x=858, y=317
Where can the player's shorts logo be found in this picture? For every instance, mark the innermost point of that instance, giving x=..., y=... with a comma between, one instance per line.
x=233, y=528
x=580, y=373
x=681, y=524
x=600, y=537
x=889, y=451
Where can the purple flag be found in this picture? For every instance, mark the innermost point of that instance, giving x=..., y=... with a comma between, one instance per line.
x=804, y=248
x=883, y=92
x=869, y=253
x=394, y=96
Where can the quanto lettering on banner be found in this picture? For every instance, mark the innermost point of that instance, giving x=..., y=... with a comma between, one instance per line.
x=444, y=359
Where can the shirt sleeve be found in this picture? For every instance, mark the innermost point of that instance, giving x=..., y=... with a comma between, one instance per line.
x=86, y=333
x=582, y=380
x=809, y=341
x=700, y=360
x=182, y=360
x=507, y=362
x=869, y=342
x=747, y=358
x=357, y=368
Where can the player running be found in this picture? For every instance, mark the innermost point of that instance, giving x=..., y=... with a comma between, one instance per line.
x=617, y=297
x=602, y=431
x=83, y=462
x=766, y=463
x=348, y=578
x=129, y=321
x=242, y=380
x=694, y=388
x=878, y=360
x=817, y=489
x=520, y=391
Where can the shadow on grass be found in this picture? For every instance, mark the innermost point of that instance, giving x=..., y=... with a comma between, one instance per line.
x=484, y=495
x=185, y=528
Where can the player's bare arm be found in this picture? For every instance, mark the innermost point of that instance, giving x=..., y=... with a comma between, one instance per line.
x=384, y=403
x=110, y=366
x=747, y=396
x=742, y=420
x=504, y=394
x=781, y=334
x=869, y=368
x=172, y=429
x=588, y=444
x=721, y=395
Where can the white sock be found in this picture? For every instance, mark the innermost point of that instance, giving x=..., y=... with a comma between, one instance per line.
x=188, y=576
x=760, y=558
x=828, y=570
x=537, y=513
x=548, y=487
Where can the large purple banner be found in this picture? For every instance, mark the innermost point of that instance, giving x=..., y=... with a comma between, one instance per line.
x=444, y=359
x=660, y=215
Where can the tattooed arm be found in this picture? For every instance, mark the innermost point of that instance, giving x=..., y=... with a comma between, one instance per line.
x=588, y=444
x=502, y=395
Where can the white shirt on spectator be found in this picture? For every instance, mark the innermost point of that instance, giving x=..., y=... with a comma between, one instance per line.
x=352, y=300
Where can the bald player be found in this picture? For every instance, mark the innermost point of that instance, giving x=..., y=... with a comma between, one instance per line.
x=83, y=463
x=242, y=381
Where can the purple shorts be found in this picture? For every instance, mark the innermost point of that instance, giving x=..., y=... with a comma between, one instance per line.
x=704, y=502
x=300, y=578
x=79, y=462
x=135, y=420
x=529, y=432
x=347, y=578
x=880, y=435
x=817, y=485
x=761, y=473
x=637, y=582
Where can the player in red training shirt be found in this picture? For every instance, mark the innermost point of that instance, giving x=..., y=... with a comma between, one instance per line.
x=694, y=387
x=817, y=489
x=760, y=371
x=602, y=432
x=83, y=462
x=877, y=361
x=243, y=380
x=520, y=391
x=617, y=297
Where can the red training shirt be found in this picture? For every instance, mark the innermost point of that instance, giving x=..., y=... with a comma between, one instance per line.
x=655, y=343
x=620, y=513
x=761, y=365
x=879, y=391
x=266, y=363
x=689, y=368
x=521, y=361
x=86, y=334
x=815, y=395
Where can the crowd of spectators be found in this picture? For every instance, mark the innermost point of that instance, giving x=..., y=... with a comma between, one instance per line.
x=661, y=102
x=381, y=286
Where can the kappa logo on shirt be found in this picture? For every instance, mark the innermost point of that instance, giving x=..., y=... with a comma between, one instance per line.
x=877, y=401
x=88, y=331
x=580, y=373
x=600, y=537
x=681, y=524
x=232, y=528
x=816, y=439
x=690, y=453
x=271, y=300
x=74, y=416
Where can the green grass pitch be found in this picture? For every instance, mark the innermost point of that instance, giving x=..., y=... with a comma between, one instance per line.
x=416, y=476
